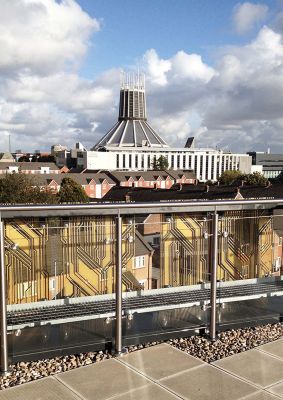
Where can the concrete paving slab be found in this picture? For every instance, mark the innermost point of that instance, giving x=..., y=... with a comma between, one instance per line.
x=102, y=380
x=275, y=348
x=277, y=389
x=255, y=366
x=208, y=383
x=148, y=392
x=161, y=361
x=262, y=395
x=43, y=389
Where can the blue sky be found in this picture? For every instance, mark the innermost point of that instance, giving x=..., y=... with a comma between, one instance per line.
x=130, y=27
x=214, y=70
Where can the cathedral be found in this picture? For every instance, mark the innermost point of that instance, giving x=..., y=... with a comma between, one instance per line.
x=133, y=145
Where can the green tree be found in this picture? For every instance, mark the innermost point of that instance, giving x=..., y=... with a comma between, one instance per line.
x=72, y=192
x=25, y=158
x=229, y=177
x=160, y=163
x=255, y=179
x=39, y=158
x=23, y=189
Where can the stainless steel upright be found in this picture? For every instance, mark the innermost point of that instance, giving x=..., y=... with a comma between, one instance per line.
x=3, y=307
x=118, y=333
x=213, y=282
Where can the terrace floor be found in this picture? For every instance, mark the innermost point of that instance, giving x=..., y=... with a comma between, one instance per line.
x=165, y=373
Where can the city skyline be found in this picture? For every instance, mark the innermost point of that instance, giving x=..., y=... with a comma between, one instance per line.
x=219, y=79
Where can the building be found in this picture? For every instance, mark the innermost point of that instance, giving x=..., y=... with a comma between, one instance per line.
x=271, y=164
x=6, y=157
x=152, y=179
x=29, y=168
x=133, y=145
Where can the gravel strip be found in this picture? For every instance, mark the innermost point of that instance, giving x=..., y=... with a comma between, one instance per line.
x=227, y=344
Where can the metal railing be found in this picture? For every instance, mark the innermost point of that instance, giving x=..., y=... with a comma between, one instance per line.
x=120, y=210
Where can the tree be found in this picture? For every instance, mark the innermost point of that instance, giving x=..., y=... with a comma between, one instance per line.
x=25, y=158
x=255, y=179
x=236, y=177
x=39, y=158
x=72, y=192
x=23, y=189
x=229, y=177
x=160, y=163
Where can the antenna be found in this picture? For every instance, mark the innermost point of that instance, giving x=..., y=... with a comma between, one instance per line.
x=9, y=141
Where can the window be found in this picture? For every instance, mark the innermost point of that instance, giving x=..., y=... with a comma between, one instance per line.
x=139, y=262
x=117, y=160
x=136, y=161
x=124, y=160
x=277, y=264
x=156, y=241
x=51, y=284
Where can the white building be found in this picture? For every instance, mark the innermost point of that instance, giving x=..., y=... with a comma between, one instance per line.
x=132, y=144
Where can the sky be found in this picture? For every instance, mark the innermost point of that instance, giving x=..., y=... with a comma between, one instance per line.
x=214, y=70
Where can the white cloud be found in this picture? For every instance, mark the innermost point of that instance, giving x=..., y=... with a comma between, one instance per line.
x=43, y=35
x=235, y=104
x=247, y=15
x=190, y=66
x=157, y=68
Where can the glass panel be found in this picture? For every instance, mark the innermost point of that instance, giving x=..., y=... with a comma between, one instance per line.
x=249, y=269
x=60, y=278
x=168, y=268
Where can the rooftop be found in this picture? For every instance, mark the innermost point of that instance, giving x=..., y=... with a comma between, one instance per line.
x=164, y=373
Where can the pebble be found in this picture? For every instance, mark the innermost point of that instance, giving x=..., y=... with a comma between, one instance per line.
x=227, y=343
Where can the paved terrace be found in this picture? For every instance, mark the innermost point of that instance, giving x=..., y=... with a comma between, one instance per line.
x=165, y=373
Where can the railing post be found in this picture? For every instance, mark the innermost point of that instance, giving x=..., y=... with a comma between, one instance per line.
x=3, y=307
x=213, y=281
x=118, y=327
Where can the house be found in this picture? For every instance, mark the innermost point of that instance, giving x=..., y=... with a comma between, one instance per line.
x=183, y=176
x=140, y=264
x=29, y=168
x=95, y=185
x=6, y=157
x=152, y=179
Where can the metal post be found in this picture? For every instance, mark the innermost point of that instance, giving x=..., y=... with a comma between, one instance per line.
x=118, y=333
x=213, y=282
x=55, y=281
x=3, y=308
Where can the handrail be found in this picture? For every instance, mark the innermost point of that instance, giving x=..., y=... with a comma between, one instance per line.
x=147, y=207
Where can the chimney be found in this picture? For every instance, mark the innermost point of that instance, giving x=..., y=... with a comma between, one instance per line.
x=127, y=198
x=242, y=183
x=180, y=187
x=269, y=184
x=207, y=188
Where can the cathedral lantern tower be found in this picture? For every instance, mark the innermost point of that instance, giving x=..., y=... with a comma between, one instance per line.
x=132, y=97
